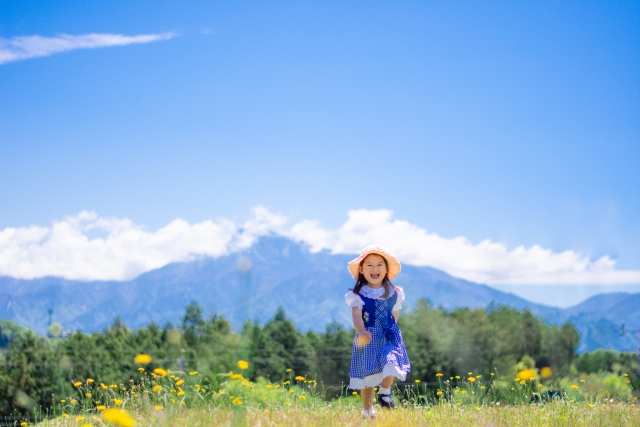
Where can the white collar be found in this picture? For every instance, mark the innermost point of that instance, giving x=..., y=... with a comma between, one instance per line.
x=374, y=293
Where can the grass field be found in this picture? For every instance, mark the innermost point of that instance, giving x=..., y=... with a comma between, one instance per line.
x=159, y=397
x=554, y=414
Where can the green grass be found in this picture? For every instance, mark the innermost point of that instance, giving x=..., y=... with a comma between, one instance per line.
x=190, y=399
x=328, y=414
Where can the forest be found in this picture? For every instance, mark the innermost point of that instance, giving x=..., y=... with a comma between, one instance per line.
x=498, y=340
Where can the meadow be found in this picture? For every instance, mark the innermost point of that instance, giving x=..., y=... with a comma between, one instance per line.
x=159, y=397
x=469, y=367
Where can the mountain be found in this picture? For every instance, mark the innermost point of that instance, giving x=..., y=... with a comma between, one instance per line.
x=275, y=272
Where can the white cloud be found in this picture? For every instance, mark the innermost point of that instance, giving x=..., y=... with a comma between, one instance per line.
x=485, y=262
x=66, y=250
x=25, y=47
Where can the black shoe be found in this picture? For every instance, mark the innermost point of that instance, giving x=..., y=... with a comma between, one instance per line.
x=385, y=401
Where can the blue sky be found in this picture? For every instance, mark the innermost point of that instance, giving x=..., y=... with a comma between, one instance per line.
x=517, y=122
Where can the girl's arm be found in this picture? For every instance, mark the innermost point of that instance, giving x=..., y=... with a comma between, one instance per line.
x=396, y=314
x=358, y=323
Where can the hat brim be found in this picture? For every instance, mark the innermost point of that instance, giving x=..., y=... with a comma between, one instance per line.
x=392, y=262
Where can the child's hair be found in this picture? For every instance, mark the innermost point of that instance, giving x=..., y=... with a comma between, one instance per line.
x=386, y=283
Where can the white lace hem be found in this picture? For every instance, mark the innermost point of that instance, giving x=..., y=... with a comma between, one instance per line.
x=375, y=379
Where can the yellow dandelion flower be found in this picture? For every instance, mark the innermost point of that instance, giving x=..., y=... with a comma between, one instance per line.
x=101, y=408
x=73, y=401
x=86, y=425
x=522, y=382
x=482, y=387
x=24, y=424
x=286, y=382
x=113, y=386
x=478, y=377
x=237, y=401
x=477, y=408
x=156, y=388
x=470, y=373
x=625, y=375
x=180, y=393
x=276, y=386
x=591, y=405
x=79, y=418
x=65, y=415
x=291, y=391
x=464, y=391
x=119, y=417
x=179, y=383
x=243, y=364
x=439, y=393
x=438, y=374
x=582, y=381
x=289, y=370
x=192, y=373
x=142, y=359
x=546, y=372
x=140, y=369
x=158, y=408
x=77, y=384
x=457, y=377
x=574, y=387
x=525, y=375
x=492, y=374
x=90, y=380
x=303, y=397
x=103, y=386
x=197, y=386
x=87, y=394
x=117, y=402
x=161, y=372
x=268, y=385
x=512, y=388
x=572, y=401
x=417, y=381
x=299, y=378
x=471, y=379
x=62, y=400
x=173, y=401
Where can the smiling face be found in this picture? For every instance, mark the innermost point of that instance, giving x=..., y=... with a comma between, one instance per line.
x=374, y=270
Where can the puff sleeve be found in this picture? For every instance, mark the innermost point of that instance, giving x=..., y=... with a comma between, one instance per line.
x=398, y=304
x=353, y=300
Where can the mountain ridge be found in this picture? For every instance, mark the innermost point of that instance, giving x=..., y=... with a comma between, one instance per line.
x=274, y=272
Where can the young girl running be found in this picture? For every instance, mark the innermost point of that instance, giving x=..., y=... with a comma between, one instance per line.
x=378, y=352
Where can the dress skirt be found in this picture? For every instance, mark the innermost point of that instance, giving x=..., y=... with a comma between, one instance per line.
x=384, y=355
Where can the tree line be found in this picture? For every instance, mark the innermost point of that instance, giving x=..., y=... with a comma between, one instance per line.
x=36, y=371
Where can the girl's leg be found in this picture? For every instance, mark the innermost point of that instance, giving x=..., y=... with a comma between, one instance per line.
x=387, y=382
x=384, y=398
x=367, y=398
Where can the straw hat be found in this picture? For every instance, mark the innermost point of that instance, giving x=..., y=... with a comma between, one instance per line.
x=392, y=262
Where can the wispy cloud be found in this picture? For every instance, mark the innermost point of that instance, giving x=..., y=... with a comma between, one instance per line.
x=26, y=47
x=66, y=250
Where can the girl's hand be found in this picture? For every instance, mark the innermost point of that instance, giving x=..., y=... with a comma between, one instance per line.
x=364, y=337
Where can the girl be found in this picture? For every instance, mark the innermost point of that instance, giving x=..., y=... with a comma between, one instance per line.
x=378, y=349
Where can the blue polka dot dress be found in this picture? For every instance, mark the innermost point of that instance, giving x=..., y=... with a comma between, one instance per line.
x=385, y=354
